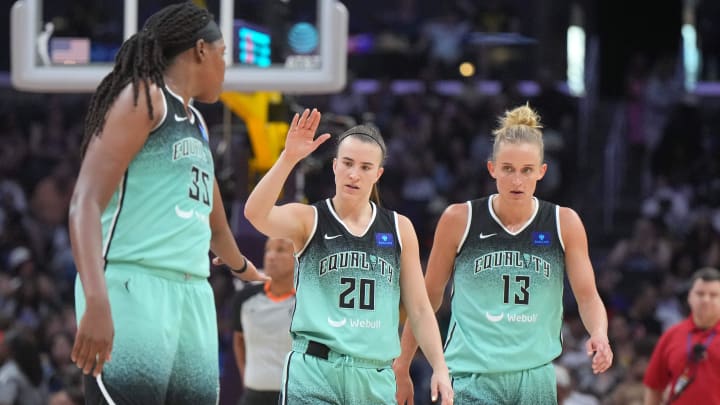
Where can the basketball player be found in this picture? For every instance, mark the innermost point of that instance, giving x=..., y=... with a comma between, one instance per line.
x=508, y=254
x=356, y=261
x=145, y=212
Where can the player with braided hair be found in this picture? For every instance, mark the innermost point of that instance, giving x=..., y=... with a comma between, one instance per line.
x=145, y=212
x=143, y=58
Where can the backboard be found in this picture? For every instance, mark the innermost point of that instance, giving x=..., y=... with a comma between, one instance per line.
x=305, y=57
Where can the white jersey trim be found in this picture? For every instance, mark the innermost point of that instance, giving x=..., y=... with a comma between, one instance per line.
x=202, y=121
x=559, y=228
x=312, y=234
x=191, y=117
x=286, y=371
x=116, y=215
x=467, y=228
x=397, y=229
x=370, y=223
x=165, y=111
x=103, y=390
x=536, y=208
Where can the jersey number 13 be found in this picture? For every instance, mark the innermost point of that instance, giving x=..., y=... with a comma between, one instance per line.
x=521, y=297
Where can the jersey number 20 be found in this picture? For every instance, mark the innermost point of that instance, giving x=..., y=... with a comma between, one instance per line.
x=363, y=295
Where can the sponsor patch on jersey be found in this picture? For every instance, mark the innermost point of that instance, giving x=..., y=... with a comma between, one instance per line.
x=541, y=238
x=384, y=239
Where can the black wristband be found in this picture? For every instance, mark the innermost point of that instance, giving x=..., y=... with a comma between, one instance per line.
x=242, y=269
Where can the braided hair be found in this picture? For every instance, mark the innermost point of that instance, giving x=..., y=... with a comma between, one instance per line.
x=144, y=57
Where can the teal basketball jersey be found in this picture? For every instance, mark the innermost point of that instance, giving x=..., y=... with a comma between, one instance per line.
x=507, y=293
x=348, y=287
x=158, y=217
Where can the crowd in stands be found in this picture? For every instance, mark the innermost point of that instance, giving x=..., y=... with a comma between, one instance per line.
x=438, y=146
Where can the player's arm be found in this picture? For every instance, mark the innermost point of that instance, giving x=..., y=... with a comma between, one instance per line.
x=448, y=234
x=106, y=160
x=223, y=243
x=421, y=316
x=582, y=281
x=293, y=221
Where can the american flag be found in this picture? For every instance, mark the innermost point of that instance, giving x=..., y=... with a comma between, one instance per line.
x=70, y=50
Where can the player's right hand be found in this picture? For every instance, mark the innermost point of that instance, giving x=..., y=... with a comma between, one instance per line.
x=405, y=389
x=94, y=338
x=300, y=140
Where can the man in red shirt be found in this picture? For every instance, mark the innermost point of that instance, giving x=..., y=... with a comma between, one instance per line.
x=685, y=365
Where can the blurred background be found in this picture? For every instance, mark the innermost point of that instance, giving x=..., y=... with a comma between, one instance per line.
x=628, y=92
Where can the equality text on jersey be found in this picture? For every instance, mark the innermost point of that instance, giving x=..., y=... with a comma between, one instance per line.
x=356, y=260
x=512, y=258
x=188, y=147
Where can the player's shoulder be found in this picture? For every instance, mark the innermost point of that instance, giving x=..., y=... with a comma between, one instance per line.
x=456, y=215
x=132, y=100
x=129, y=92
x=567, y=216
x=459, y=208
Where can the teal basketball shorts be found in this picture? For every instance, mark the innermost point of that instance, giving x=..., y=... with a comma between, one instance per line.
x=316, y=375
x=525, y=387
x=165, y=349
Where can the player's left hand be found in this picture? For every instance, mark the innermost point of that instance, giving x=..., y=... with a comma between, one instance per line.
x=440, y=384
x=250, y=274
x=405, y=390
x=602, y=356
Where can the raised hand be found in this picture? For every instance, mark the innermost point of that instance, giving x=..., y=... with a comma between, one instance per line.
x=300, y=141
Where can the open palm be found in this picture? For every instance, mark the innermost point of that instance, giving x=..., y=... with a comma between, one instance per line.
x=300, y=141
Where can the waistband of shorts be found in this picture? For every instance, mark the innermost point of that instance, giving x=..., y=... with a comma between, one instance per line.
x=171, y=275
x=322, y=351
x=471, y=374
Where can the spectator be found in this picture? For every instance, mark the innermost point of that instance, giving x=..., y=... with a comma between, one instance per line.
x=21, y=376
x=685, y=365
x=642, y=256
